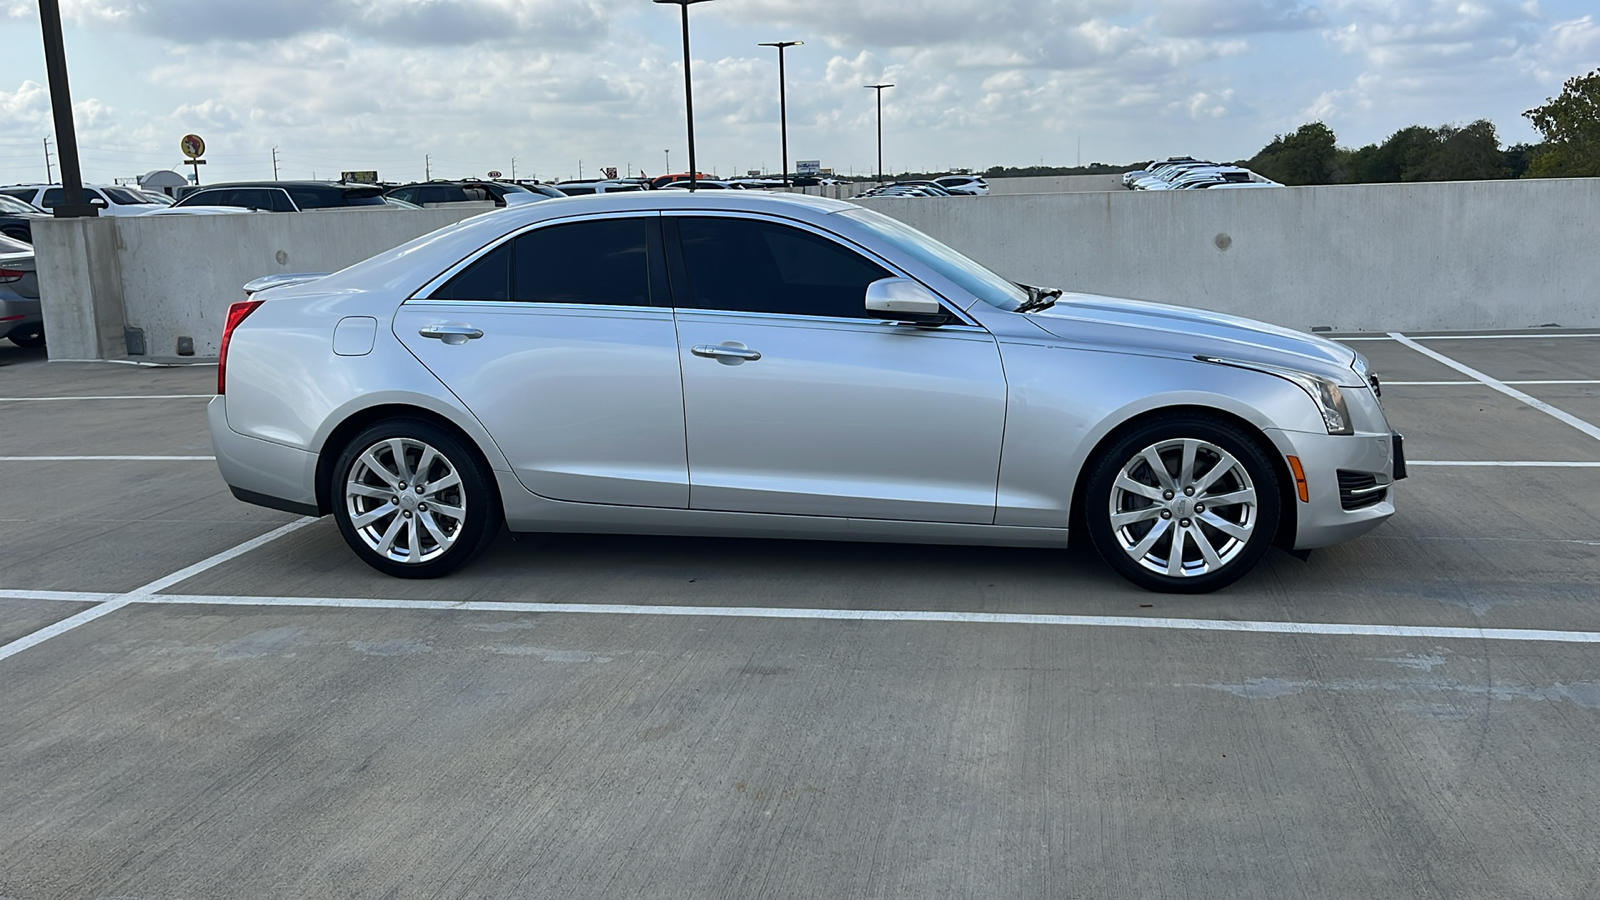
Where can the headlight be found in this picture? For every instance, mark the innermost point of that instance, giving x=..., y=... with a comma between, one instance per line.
x=1324, y=392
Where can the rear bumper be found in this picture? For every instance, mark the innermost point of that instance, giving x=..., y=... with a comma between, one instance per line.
x=262, y=472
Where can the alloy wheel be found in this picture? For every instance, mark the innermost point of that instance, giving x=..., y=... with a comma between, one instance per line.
x=1183, y=508
x=405, y=500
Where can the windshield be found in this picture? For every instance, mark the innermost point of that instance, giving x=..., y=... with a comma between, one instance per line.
x=125, y=197
x=982, y=283
x=13, y=205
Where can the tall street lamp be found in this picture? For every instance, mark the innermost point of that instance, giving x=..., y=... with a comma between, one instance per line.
x=879, y=88
x=688, y=86
x=783, y=105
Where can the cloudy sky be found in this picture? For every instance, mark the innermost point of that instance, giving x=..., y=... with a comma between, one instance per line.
x=474, y=84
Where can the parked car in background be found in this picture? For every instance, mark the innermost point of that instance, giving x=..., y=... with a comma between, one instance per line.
x=17, y=218
x=110, y=199
x=157, y=197
x=584, y=188
x=963, y=184
x=704, y=184
x=21, y=319
x=285, y=196
x=1128, y=178
x=784, y=366
x=436, y=193
x=661, y=181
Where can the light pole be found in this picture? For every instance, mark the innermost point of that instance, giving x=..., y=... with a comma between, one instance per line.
x=783, y=104
x=55, y=67
x=879, y=88
x=668, y=169
x=688, y=86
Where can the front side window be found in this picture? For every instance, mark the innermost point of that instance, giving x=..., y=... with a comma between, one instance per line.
x=601, y=262
x=750, y=265
x=964, y=272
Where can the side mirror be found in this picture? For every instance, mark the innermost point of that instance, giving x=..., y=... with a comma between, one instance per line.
x=904, y=300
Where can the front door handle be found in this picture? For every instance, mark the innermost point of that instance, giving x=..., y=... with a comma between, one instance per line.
x=451, y=334
x=728, y=354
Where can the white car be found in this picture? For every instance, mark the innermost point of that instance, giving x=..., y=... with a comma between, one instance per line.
x=110, y=199
x=971, y=185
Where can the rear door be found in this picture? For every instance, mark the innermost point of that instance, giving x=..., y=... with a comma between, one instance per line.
x=555, y=340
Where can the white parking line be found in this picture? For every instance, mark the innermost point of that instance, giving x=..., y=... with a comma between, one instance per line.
x=883, y=615
x=105, y=458
x=1477, y=383
x=110, y=397
x=1501, y=386
x=1506, y=463
x=1468, y=337
x=115, y=602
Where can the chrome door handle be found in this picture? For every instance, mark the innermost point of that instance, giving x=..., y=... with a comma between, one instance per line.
x=451, y=334
x=723, y=351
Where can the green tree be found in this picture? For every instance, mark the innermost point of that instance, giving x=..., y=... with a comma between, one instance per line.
x=1463, y=154
x=1307, y=156
x=1570, y=124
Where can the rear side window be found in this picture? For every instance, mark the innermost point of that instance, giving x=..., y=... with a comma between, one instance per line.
x=748, y=265
x=307, y=198
x=488, y=279
x=54, y=197
x=603, y=262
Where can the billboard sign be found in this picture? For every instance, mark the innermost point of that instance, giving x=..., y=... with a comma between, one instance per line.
x=807, y=166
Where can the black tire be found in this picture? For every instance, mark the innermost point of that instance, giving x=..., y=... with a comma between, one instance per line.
x=422, y=542
x=1238, y=531
x=30, y=336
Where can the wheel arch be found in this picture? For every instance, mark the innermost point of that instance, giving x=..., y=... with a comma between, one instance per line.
x=1288, y=520
x=356, y=422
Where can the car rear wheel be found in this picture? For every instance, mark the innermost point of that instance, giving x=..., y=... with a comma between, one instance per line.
x=1183, y=504
x=28, y=336
x=413, y=501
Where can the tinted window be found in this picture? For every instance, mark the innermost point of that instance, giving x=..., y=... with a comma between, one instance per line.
x=53, y=197
x=604, y=261
x=487, y=279
x=208, y=198
x=747, y=265
x=311, y=198
x=23, y=194
x=406, y=194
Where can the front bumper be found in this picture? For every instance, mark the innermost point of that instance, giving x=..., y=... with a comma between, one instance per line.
x=1322, y=520
x=262, y=472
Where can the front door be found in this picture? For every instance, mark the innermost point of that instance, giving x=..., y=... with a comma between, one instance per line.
x=551, y=339
x=797, y=402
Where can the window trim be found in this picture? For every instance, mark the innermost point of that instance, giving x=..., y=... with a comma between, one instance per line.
x=679, y=276
x=653, y=247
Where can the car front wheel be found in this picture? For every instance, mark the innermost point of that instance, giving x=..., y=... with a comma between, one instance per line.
x=413, y=501
x=1183, y=504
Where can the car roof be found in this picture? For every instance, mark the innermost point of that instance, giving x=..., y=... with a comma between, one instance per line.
x=316, y=185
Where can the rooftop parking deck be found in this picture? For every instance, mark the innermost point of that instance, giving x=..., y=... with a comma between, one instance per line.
x=206, y=698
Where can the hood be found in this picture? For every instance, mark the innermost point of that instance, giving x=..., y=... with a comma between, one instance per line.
x=1136, y=326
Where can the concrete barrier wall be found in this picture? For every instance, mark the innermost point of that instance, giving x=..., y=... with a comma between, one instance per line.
x=174, y=276
x=1486, y=254
x=1458, y=255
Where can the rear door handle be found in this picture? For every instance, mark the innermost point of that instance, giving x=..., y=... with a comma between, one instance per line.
x=451, y=334
x=732, y=354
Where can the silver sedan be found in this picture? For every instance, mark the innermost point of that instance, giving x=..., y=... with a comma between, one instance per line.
x=781, y=366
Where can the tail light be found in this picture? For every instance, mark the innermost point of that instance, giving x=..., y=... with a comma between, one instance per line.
x=9, y=275
x=236, y=314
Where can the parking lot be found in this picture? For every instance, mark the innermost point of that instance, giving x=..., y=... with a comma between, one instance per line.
x=201, y=698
